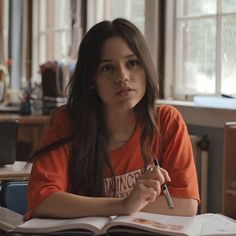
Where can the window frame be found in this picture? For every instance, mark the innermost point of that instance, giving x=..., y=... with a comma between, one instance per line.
x=37, y=33
x=171, y=77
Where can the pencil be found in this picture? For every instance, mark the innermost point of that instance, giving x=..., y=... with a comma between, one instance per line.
x=165, y=190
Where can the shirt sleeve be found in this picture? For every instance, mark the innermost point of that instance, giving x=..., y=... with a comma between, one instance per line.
x=50, y=171
x=177, y=155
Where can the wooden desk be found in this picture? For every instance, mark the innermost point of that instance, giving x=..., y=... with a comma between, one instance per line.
x=17, y=171
x=29, y=132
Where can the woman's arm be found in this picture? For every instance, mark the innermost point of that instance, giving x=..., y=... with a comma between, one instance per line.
x=67, y=205
x=177, y=158
x=182, y=206
x=144, y=197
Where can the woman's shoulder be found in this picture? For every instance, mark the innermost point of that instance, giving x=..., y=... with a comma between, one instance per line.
x=170, y=121
x=60, y=119
x=165, y=111
x=61, y=113
x=169, y=116
x=59, y=126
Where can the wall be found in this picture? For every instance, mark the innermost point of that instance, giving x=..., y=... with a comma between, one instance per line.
x=215, y=163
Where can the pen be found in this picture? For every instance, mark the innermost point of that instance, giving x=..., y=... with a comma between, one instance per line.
x=165, y=190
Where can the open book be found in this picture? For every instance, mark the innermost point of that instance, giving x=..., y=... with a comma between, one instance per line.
x=137, y=224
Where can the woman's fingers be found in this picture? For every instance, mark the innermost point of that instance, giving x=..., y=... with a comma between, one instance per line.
x=153, y=185
x=165, y=174
x=161, y=174
x=145, y=191
x=157, y=173
x=149, y=188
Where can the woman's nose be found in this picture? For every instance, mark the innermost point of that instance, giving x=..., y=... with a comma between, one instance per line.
x=122, y=75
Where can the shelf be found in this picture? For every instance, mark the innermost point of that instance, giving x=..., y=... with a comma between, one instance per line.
x=231, y=192
x=229, y=199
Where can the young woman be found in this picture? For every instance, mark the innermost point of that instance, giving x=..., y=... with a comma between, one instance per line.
x=96, y=157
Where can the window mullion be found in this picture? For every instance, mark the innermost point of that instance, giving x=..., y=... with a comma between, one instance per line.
x=170, y=44
x=128, y=9
x=218, y=47
x=50, y=25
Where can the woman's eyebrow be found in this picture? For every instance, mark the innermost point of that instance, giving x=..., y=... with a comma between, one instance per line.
x=105, y=60
x=125, y=57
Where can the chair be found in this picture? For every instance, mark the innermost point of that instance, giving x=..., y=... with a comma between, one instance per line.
x=13, y=196
x=8, y=142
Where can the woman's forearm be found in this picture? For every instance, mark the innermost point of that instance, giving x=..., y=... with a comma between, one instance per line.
x=67, y=205
x=182, y=207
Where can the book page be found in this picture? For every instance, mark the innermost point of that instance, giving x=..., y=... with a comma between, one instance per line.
x=9, y=219
x=38, y=225
x=171, y=225
x=217, y=224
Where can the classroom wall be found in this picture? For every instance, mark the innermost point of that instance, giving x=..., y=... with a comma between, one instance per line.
x=215, y=164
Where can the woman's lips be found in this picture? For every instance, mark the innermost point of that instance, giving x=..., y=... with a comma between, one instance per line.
x=124, y=91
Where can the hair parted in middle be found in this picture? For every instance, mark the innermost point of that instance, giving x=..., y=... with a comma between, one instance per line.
x=86, y=108
x=89, y=142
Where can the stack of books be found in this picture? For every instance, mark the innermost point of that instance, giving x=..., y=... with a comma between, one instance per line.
x=51, y=103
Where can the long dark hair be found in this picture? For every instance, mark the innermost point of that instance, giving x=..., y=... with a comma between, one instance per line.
x=89, y=142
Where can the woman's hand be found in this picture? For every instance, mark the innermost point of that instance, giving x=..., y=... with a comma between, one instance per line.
x=146, y=189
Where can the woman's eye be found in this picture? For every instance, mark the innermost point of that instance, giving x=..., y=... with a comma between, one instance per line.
x=133, y=63
x=105, y=68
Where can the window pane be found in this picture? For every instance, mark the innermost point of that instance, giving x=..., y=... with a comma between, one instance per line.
x=43, y=15
x=195, y=64
x=57, y=46
x=117, y=8
x=62, y=41
x=42, y=49
x=130, y=9
x=229, y=55
x=229, y=6
x=137, y=13
x=196, y=7
x=63, y=8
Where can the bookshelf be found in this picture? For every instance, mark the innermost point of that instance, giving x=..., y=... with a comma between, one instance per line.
x=229, y=170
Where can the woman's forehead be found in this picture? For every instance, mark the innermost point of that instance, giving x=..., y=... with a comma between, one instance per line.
x=115, y=47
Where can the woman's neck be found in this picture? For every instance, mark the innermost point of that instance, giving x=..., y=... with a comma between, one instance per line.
x=121, y=126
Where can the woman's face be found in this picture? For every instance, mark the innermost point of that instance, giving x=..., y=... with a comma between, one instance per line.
x=120, y=78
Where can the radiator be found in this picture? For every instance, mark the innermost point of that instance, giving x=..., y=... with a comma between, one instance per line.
x=200, y=151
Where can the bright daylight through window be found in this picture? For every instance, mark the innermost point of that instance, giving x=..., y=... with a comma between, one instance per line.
x=205, y=47
x=130, y=9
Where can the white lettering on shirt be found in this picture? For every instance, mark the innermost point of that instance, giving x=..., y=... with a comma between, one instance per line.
x=124, y=184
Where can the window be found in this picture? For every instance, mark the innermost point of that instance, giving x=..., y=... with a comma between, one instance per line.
x=143, y=13
x=201, y=48
x=52, y=32
x=110, y=9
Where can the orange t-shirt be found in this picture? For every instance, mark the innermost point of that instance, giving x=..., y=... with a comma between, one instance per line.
x=50, y=172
